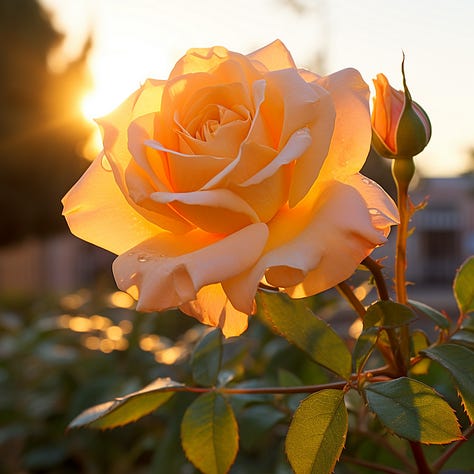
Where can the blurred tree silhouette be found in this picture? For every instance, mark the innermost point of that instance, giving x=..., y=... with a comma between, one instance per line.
x=41, y=127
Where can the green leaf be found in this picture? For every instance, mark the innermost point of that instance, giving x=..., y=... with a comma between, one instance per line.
x=459, y=361
x=206, y=359
x=209, y=434
x=464, y=286
x=129, y=408
x=438, y=318
x=364, y=346
x=317, y=433
x=387, y=314
x=464, y=337
x=295, y=321
x=413, y=411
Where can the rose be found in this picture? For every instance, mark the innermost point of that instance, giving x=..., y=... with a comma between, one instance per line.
x=237, y=169
x=402, y=129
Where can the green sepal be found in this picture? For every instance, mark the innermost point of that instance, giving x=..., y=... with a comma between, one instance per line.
x=412, y=133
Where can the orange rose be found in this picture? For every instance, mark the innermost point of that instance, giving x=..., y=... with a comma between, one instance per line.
x=236, y=169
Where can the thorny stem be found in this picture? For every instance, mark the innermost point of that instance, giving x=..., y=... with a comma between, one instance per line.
x=401, y=256
x=438, y=464
x=376, y=270
x=376, y=375
x=403, y=170
x=346, y=291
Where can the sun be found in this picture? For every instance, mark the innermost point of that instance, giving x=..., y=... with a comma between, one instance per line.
x=112, y=85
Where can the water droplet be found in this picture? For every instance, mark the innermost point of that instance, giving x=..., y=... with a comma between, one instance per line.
x=105, y=163
x=366, y=181
x=374, y=212
x=142, y=258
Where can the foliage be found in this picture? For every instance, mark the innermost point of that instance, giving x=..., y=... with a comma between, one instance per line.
x=219, y=396
x=233, y=395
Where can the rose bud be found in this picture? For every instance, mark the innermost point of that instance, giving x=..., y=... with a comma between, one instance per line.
x=401, y=128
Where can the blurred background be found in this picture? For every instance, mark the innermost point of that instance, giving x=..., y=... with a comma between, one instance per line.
x=68, y=339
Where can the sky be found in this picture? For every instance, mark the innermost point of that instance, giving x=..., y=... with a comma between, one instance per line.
x=136, y=39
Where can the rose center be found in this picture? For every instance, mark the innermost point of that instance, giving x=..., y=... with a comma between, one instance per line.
x=213, y=117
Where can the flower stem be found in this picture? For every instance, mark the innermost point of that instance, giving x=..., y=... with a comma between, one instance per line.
x=396, y=359
x=379, y=374
x=376, y=270
x=346, y=291
x=403, y=171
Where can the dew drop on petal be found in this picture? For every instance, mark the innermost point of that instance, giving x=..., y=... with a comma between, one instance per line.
x=366, y=181
x=142, y=258
x=373, y=211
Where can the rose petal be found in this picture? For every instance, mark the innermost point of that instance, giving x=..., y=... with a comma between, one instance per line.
x=212, y=307
x=116, y=142
x=114, y=126
x=154, y=165
x=210, y=59
x=190, y=172
x=252, y=158
x=291, y=104
x=168, y=270
x=383, y=211
x=145, y=174
x=273, y=57
x=97, y=211
x=308, y=166
x=215, y=210
x=314, y=247
x=387, y=111
x=268, y=196
x=297, y=144
x=352, y=133
x=220, y=179
x=225, y=141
